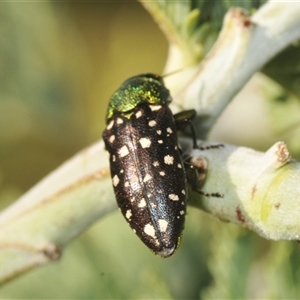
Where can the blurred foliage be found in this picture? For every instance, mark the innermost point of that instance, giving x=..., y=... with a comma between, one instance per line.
x=109, y=262
x=284, y=95
x=284, y=111
x=59, y=64
x=285, y=69
x=194, y=25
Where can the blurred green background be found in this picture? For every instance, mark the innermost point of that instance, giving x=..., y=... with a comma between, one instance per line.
x=59, y=64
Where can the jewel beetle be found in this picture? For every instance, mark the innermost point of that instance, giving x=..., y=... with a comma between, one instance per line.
x=147, y=171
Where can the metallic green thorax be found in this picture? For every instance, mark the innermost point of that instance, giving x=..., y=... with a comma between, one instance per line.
x=136, y=90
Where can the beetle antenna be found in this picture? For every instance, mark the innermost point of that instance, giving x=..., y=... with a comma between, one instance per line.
x=171, y=73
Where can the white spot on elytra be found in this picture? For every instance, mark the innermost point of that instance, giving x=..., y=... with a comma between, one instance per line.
x=158, y=132
x=163, y=224
x=179, y=166
x=168, y=159
x=110, y=124
x=169, y=130
x=162, y=173
x=134, y=230
x=149, y=229
x=126, y=184
x=156, y=164
x=183, y=192
x=113, y=158
x=155, y=107
x=153, y=205
x=138, y=114
x=145, y=142
x=160, y=141
x=128, y=214
x=111, y=138
x=152, y=123
x=182, y=212
x=173, y=197
x=115, y=180
x=147, y=178
x=119, y=121
x=142, y=203
x=134, y=179
x=123, y=151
